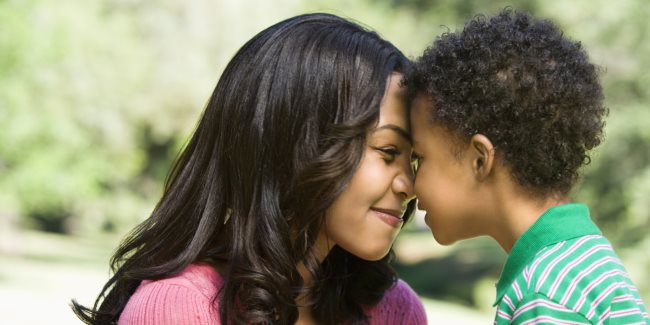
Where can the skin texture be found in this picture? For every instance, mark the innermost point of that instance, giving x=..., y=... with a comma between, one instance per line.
x=360, y=219
x=464, y=187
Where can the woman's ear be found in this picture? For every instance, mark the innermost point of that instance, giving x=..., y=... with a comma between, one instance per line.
x=481, y=151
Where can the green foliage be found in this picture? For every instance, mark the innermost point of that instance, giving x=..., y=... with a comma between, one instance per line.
x=67, y=138
x=97, y=97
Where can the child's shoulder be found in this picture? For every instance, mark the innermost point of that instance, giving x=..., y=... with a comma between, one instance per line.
x=573, y=264
x=581, y=276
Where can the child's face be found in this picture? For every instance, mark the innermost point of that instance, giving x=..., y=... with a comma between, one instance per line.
x=366, y=217
x=444, y=182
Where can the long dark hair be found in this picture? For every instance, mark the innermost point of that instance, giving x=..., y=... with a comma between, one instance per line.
x=280, y=138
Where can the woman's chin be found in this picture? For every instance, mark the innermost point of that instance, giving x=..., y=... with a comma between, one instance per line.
x=374, y=255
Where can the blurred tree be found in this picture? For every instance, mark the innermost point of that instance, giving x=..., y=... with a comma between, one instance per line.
x=96, y=98
x=67, y=138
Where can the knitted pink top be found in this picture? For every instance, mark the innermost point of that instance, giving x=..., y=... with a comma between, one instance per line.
x=187, y=299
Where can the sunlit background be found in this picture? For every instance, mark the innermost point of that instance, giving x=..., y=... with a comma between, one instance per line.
x=97, y=97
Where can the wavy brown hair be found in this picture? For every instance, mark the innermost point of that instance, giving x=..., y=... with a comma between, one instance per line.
x=280, y=138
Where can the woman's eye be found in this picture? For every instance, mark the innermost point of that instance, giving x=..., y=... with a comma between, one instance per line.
x=389, y=153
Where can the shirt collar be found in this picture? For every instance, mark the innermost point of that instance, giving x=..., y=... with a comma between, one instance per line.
x=559, y=223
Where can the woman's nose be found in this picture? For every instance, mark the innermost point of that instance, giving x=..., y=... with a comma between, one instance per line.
x=403, y=182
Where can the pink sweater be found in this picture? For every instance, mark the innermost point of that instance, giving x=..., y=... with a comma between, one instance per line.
x=186, y=299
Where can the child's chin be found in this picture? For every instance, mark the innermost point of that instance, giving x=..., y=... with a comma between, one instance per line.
x=442, y=240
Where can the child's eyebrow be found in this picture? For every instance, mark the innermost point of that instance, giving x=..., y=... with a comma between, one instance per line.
x=406, y=135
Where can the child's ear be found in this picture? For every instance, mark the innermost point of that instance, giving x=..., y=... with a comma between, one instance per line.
x=482, y=155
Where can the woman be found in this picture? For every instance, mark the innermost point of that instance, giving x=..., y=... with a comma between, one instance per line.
x=285, y=203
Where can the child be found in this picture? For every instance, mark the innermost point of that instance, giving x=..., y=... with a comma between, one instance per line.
x=504, y=115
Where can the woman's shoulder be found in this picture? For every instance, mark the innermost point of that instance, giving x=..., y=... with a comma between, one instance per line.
x=186, y=296
x=200, y=277
x=400, y=305
x=401, y=294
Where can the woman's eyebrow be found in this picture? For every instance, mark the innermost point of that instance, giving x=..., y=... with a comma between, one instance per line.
x=406, y=135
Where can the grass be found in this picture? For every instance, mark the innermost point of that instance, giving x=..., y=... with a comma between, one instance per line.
x=45, y=271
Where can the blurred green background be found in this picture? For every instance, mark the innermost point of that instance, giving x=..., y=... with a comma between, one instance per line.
x=97, y=97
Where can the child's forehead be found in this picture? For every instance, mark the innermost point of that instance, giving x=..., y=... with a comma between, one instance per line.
x=424, y=125
x=423, y=108
x=423, y=98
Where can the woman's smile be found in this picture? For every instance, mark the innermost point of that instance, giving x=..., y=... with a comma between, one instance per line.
x=391, y=217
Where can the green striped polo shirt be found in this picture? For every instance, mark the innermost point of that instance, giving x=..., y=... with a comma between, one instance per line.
x=563, y=271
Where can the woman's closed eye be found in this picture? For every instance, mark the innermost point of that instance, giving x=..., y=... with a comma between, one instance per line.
x=388, y=153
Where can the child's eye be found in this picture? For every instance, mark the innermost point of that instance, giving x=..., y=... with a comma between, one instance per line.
x=415, y=162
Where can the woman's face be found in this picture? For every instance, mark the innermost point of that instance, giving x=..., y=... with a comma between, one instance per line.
x=365, y=219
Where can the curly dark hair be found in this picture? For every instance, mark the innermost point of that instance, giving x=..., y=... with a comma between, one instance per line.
x=523, y=84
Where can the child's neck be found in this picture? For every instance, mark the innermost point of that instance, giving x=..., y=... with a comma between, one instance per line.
x=518, y=212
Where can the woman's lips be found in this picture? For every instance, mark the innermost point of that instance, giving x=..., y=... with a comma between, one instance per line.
x=391, y=217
